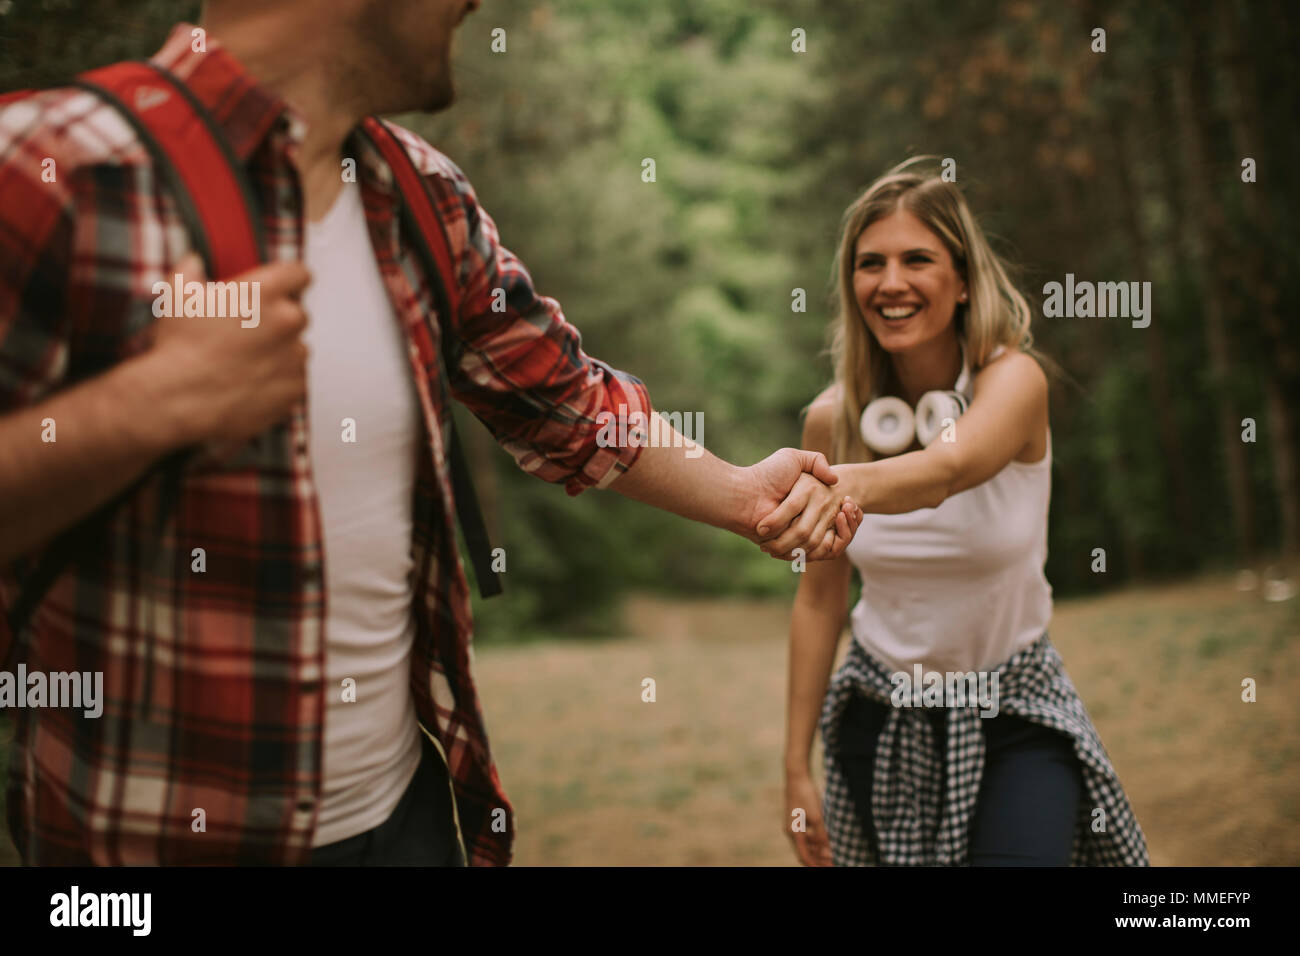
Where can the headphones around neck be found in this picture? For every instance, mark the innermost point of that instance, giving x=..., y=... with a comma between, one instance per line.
x=888, y=424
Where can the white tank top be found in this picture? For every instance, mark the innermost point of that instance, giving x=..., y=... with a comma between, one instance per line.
x=358, y=369
x=959, y=587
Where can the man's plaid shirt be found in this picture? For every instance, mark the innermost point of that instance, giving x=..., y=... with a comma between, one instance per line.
x=214, y=682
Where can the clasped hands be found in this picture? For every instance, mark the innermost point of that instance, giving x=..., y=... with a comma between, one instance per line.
x=796, y=506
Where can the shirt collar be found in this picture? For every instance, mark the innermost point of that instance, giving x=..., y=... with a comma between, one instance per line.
x=244, y=111
x=374, y=170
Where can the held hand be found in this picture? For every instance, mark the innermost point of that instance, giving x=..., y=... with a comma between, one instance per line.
x=806, y=515
x=232, y=382
x=830, y=524
x=811, y=846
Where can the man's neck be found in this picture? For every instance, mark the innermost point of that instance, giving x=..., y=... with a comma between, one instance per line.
x=293, y=71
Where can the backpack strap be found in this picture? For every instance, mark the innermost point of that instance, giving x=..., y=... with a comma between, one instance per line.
x=216, y=201
x=425, y=230
x=208, y=182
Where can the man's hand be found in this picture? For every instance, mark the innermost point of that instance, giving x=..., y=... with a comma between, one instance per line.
x=822, y=524
x=227, y=383
x=199, y=381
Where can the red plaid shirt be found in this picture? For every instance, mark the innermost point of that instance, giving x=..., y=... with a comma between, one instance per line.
x=214, y=692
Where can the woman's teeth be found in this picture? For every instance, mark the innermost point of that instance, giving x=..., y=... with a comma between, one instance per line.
x=899, y=312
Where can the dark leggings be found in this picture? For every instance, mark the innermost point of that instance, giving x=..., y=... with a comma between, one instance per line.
x=1030, y=789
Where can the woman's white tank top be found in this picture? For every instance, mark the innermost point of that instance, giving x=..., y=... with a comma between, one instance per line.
x=960, y=587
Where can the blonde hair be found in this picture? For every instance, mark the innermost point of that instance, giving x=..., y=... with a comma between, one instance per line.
x=996, y=314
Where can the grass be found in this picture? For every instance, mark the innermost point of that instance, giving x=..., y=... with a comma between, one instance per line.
x=600, y=777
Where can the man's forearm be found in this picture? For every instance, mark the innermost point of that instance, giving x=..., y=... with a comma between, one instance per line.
x=107, y=432
x=702, y=488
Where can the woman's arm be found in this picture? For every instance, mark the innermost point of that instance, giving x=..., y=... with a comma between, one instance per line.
x=1007, y=414
x=815, y=626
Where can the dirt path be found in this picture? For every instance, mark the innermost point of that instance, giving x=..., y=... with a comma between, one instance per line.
x=599, y=777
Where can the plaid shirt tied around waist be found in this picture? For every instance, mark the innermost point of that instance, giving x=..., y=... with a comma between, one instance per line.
x=214, y=682
x=908, y=788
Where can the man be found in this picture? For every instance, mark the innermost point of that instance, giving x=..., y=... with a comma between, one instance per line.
x=287, y=671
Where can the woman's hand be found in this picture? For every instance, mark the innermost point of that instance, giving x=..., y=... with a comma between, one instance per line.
x=811, y=845
x=775, y=481
x=808, y=518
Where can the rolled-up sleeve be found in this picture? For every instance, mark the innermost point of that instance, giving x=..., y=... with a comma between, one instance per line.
x=521, y=370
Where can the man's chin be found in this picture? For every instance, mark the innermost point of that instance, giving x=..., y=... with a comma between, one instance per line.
x=441, y=96
x=441, y=103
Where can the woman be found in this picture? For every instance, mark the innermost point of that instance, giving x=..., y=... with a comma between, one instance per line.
x=951, y=556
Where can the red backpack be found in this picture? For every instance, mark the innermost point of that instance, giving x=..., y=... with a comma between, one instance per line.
x=217, y=202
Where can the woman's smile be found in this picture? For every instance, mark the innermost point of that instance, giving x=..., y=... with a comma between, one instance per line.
x=905, y=282
x=897, y=314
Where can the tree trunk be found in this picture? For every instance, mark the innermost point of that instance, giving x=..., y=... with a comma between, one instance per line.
x=1162, y=397
x=1258, y=277
x=1204, y=222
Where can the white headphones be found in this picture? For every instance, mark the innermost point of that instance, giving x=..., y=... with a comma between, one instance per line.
x=888, y=425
